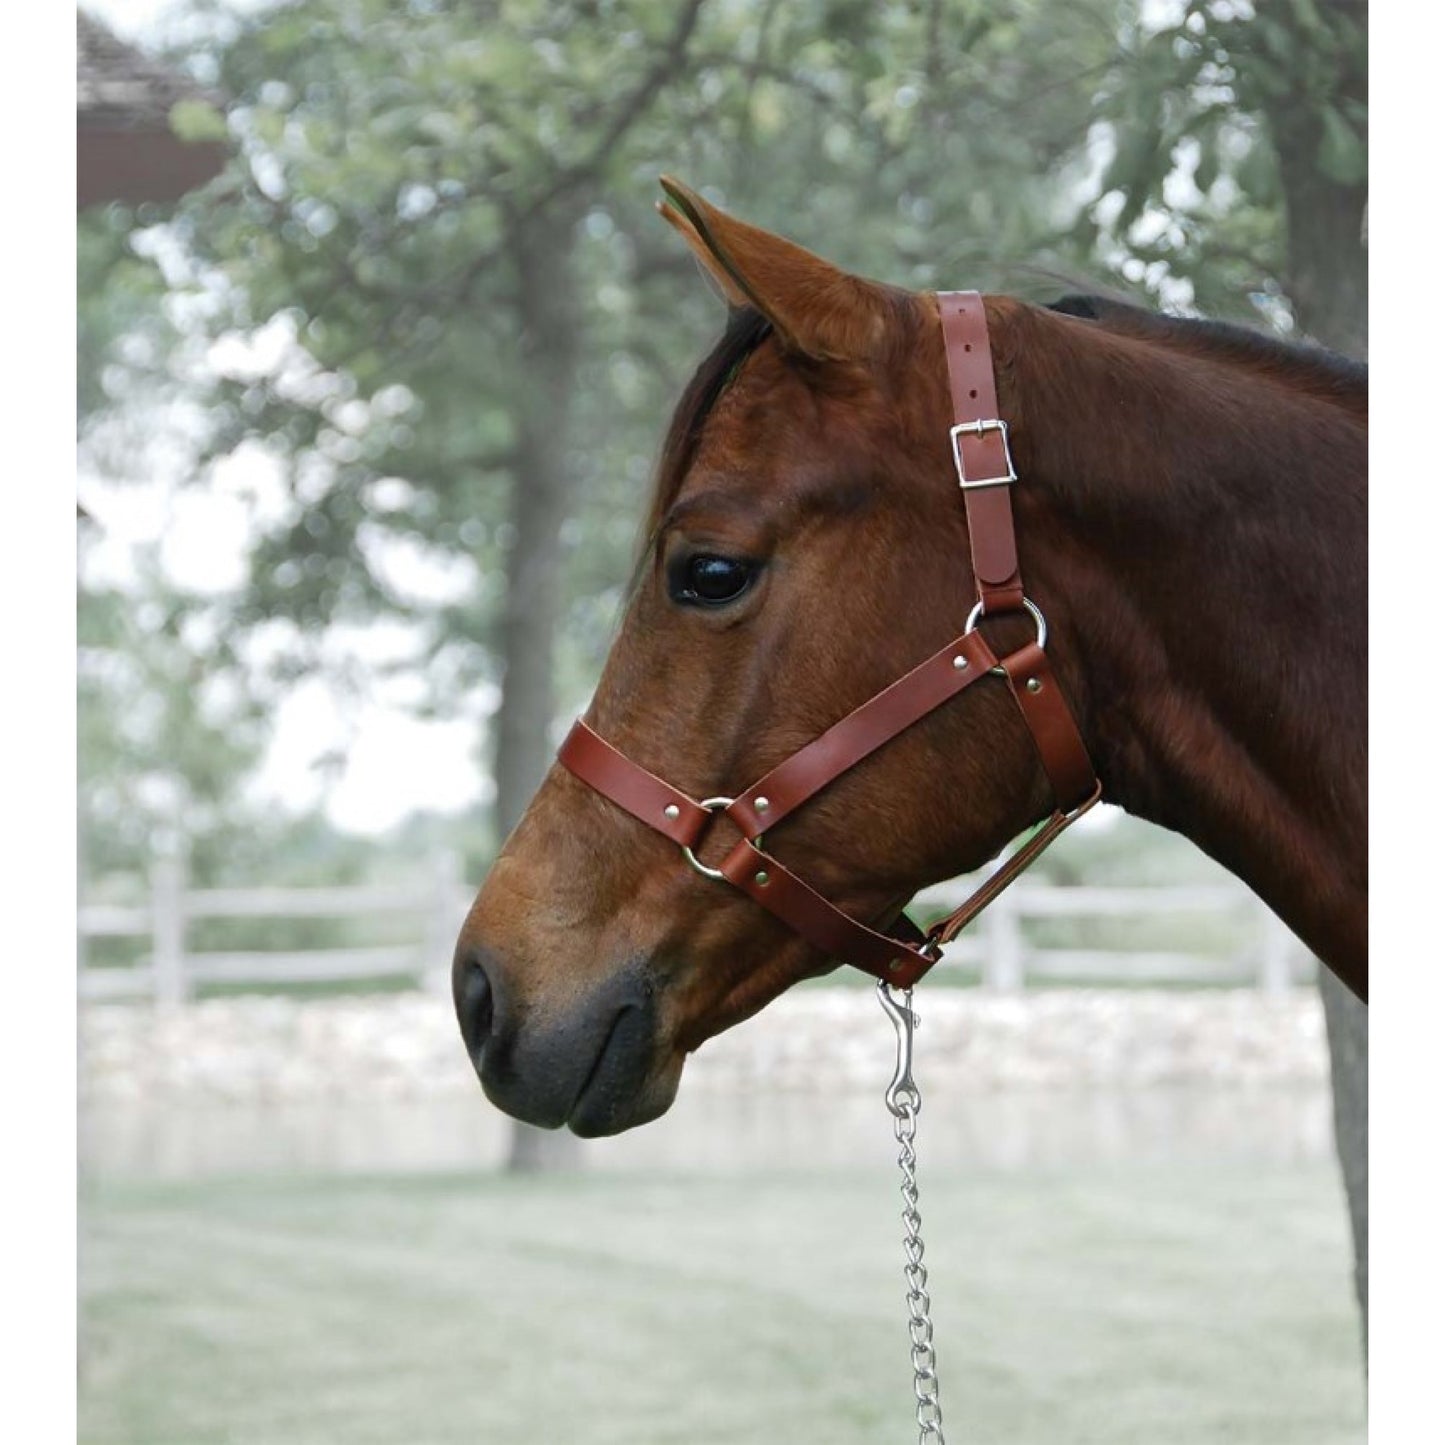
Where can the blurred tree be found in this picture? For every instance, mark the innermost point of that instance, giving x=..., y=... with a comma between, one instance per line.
x=123, y=332
x=157, y=760
x=1240, y=161
x=1268, y=108
x=170, y=724
x=162, y=742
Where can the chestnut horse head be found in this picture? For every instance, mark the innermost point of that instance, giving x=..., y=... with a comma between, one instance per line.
x=805, y=547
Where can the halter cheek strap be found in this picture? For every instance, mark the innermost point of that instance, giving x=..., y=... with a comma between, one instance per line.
x=900, y=954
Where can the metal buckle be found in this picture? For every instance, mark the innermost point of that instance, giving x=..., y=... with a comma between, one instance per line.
x=978, y=428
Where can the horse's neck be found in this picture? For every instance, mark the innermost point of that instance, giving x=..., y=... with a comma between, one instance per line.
x=1198, y=530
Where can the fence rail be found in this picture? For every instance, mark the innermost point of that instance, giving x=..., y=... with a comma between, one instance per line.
x=998, y=946
x=1272, y=959
x=173, y=971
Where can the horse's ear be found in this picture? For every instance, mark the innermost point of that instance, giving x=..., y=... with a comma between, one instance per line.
x=814, y=307
x=731, y=292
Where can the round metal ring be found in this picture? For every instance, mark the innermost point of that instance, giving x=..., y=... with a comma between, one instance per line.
x=713, y=805
x=1041, y=628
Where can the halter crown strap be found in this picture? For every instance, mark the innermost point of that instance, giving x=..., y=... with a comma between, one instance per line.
x=981, y=454
x=901, y=955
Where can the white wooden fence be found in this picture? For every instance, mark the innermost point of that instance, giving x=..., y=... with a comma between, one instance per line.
x=173, y=972
x=997, y=945
x=1272, y=958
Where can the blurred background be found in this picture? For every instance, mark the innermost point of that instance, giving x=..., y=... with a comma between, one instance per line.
x=378, y=337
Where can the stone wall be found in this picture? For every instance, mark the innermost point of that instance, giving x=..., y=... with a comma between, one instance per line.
x=261, y=1050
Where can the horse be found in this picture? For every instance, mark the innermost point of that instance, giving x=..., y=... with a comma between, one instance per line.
x=1189, y=501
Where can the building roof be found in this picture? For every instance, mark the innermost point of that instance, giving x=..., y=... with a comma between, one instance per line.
x=125, y=147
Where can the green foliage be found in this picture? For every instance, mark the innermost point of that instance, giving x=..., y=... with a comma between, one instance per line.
x=1342, y=155
x=1229, y=90
x=123, y=331
x=197, y=120
x=163, y=737
x=398, y=162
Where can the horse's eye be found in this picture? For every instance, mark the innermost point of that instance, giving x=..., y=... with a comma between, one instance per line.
x=709, y=581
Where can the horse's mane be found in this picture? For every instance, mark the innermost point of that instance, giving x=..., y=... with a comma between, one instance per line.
x=1312, y=367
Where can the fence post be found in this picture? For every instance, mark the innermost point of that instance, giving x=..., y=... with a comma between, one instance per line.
x=168, y=930
x=442, y=922
x=1276, y=949
x=1003, y=963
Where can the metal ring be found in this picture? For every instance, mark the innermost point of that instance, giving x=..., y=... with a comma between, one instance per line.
x=711, y=805
x=1041, y=628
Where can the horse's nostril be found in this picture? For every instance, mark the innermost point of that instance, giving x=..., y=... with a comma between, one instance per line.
x=474, y=1006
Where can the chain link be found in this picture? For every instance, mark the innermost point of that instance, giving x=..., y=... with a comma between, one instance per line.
x=904, y=1103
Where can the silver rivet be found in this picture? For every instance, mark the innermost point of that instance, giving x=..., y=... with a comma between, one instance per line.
x=672, y=811
x=960, y=662
x=761, y=878
x=1034, y=685
x=894, y=964
x=760, y=805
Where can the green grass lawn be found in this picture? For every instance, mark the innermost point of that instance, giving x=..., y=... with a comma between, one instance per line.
x=1161, y=1305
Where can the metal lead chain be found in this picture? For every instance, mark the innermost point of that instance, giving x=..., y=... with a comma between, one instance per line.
x=904, y=1103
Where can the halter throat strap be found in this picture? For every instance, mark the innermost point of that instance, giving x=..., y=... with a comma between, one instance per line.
x=898, y=953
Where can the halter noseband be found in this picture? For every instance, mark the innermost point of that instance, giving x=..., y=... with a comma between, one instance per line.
x=901, y=954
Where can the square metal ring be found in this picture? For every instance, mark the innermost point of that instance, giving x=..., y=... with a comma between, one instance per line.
x=983, y=424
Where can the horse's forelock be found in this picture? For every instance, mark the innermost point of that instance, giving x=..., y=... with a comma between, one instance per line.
x=745, y=332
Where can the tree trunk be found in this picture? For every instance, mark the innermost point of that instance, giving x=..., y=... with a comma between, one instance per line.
x=1347, y=1024
x=1324, y=215
x=1327, y=286
x=547, y=355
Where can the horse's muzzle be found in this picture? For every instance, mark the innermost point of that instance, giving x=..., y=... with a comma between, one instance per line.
x=591, y=1067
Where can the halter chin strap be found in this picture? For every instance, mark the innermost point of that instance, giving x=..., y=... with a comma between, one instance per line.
x=899, y=953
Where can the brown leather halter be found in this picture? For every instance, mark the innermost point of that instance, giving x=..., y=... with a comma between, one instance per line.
x=902, y=954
